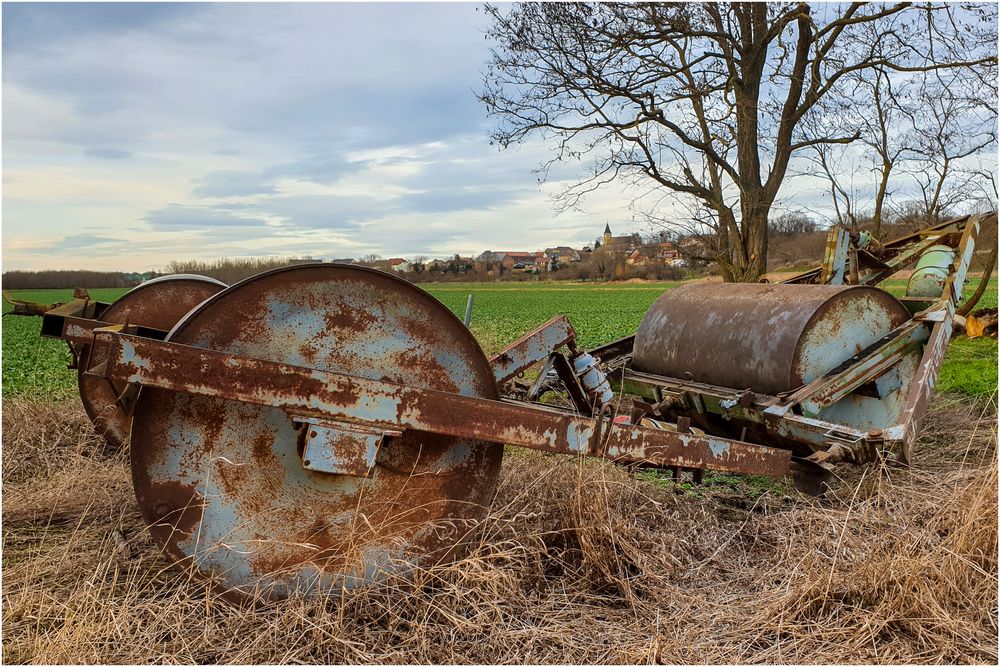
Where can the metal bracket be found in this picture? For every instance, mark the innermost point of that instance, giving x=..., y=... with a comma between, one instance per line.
x=339, y=448
x=544, y=377
x=532, y=348
x=834, y=270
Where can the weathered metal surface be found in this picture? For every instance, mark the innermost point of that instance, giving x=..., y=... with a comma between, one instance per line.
x=28, y=308
x=893, y=255
x=577, y=396
x=921, y=388
x=866, y=366
x=222, y=482
x=742, y=408
x=54, y=320
x=159, y=304
x=768, y=338
x=374, y=403
x=920, y=391
x=592, y=379
x=339, y=448
x=532, y=348
x=932, y=270
x=614, y=349
x=870, y=403
x=904, y=255
x=834, y=268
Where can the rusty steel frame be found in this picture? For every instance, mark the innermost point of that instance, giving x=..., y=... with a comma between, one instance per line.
x=834, y=268
x=929, y=329
x=901, y=252
x=68, y=321
x=532, y=348
x=307, y=392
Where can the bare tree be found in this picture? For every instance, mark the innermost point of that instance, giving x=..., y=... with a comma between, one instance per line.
x=792, y=224
x=418, y=263
x=702, y=100
x=839, y=169
x=916, y=126
x=953, y=125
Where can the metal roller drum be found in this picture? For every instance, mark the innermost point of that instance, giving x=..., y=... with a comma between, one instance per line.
x=767, y=338
x=159, y=304
x=229, y=486
x=931, y=272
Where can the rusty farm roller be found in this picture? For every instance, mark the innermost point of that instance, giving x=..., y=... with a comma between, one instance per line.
x=323, y=426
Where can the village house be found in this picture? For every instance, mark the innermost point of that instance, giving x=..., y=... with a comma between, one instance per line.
x=654, y=253
x=561, y=256
x=513, y=261
x=398, y=264
x=524, y=262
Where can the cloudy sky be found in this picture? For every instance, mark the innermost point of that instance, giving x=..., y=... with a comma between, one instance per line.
x=137, y=134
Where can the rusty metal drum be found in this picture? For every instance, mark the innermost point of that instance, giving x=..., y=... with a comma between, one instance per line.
x=767, y=338
x=232, y=489
x=159, y=304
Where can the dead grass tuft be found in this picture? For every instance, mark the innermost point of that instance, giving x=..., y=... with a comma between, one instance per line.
x=577, y=562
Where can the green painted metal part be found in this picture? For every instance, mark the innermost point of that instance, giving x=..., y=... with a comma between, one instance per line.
x=931, y=271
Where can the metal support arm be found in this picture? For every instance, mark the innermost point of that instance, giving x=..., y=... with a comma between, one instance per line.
x=335, y=396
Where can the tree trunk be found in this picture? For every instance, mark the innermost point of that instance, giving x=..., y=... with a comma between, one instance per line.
x=880, y=198
x=755, y=247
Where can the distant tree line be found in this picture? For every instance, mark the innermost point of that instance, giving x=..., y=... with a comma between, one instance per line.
x=233, y=270
x=64, y=279
x=791, y=224
x=227, y=270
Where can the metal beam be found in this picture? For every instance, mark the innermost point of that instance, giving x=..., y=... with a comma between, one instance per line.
x=334, y=396
x=532, y=348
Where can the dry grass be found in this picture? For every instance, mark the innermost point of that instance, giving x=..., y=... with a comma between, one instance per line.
x=578, y=563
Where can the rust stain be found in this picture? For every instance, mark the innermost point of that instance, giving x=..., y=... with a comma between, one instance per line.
x=157, y=304
x=290, y=517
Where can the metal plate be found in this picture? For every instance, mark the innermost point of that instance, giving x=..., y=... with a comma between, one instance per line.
x=160, y=304
x=222, y=483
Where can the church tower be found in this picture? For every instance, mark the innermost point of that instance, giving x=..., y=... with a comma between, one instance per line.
x=607, y=234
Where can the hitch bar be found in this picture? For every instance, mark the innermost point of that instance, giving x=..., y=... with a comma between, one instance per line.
x=326, y=395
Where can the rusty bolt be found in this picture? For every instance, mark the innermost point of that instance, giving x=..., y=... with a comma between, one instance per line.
x=683, y=424
x=875, y=433
x=161, y=510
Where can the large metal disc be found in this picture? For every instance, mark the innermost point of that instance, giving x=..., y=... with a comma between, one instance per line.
x=222, y=484
x=160, y=304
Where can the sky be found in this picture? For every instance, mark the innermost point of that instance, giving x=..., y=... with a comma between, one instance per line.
x=138, y=134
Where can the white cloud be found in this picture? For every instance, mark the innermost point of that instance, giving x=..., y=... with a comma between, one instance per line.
x=138, y=134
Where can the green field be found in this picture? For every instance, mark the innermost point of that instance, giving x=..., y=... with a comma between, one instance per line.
x=36, y=367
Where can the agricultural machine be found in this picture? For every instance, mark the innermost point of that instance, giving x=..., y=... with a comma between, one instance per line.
x=323, y=426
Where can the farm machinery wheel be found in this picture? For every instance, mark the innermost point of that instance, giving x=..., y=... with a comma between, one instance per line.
x=160, y=304
x=227, y=486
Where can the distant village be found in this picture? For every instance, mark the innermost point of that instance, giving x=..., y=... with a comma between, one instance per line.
x=609, y=257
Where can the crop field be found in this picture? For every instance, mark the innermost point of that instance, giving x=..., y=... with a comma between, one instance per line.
x=501, y=313
x=578, y=561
